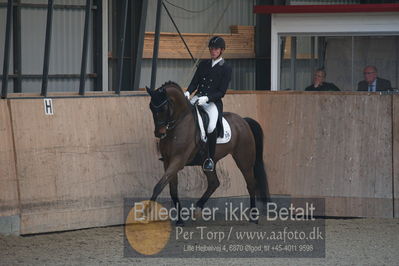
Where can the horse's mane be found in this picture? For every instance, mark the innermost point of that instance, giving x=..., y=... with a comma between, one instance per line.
x=171, y=84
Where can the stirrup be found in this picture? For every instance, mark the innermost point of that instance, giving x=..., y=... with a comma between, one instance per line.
x=208, y=165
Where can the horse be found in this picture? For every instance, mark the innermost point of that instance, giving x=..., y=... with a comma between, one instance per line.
x=175, y=122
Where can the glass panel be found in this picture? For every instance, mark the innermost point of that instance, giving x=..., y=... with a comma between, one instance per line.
x=299, y=56
x=379, y=51
x=342, y=57
x=338, y=62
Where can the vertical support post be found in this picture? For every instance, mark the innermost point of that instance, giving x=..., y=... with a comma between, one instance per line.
x=47, y=47
x=312, y=57
x=7, y=50
x=122, y=44
x=139, y=44
x=352, y=62
x=156, y=45
x=100, y=47
x=293, y=62
x=263, y=48
x=85, y=47
x=321, y=51
x=17, y=62
x=104, y=48
x=115, y=32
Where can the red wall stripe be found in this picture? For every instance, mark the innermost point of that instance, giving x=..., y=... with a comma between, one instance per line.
x=348, y=8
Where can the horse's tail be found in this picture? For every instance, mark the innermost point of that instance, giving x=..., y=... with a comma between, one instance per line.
x=259, y=168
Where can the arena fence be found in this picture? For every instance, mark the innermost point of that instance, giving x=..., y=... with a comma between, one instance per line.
x=69, y=162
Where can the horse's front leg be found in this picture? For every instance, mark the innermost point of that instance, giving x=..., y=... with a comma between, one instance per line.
x=170, y=173
x=175, y=198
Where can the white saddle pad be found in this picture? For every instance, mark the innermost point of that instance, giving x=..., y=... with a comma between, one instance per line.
x=227, y=133
x=226, y=127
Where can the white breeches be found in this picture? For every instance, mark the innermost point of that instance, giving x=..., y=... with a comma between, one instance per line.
x=212, y=111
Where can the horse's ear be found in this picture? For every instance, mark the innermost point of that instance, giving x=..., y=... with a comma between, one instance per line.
x=149, y=91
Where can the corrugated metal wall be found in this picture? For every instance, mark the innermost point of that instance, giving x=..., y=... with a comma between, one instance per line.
x=66, y=45
x=181, y=71
x=67, y=37
x=235, y=12
x=229, y=12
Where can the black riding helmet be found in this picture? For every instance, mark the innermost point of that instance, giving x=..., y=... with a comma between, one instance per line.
x=217, y=42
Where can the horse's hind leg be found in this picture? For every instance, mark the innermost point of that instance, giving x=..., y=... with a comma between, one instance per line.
x=213, y=184
x=247, y=170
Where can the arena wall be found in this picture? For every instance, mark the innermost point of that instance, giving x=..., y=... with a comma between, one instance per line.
x=9, y=201
x=333, y=146
x=73, y=169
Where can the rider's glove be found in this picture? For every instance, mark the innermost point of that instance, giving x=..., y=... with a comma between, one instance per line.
x=202, y=100
x=187, y=94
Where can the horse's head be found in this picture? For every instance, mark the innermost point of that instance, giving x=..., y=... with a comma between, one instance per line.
x=167, y=106
x=161, y=111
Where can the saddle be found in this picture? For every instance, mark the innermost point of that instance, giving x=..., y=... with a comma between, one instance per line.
x=222, y=127
x=205, y=122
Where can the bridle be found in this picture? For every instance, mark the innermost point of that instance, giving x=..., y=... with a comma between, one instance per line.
x=168, y=123
x=166, y=105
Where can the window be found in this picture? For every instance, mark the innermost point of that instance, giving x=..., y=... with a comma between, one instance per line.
x=342, y=43
x=343, y=58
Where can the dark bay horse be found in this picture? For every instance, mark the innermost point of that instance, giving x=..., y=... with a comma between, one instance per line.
x=175, y=125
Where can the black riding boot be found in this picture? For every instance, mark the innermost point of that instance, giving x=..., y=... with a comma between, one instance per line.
x=209, y=164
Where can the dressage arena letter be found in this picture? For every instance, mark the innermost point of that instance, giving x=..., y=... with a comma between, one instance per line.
x=48, y=107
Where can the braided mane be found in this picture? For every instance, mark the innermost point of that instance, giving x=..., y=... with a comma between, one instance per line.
x=171, y=84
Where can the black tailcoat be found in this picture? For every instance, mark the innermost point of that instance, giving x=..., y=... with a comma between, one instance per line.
x=211, y=81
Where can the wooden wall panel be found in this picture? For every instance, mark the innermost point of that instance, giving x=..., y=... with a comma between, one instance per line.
x=82, y=160
x=76, y=166
x=240, y=44
x=8, y=180
x=333, y=146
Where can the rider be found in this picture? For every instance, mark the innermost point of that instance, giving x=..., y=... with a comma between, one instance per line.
x=210, y=82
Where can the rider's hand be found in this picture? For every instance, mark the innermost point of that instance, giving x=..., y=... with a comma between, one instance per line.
x=202, y=100
x=187, y=94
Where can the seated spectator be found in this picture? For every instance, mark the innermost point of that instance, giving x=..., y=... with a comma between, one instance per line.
x=372, y=82
x=319, y=83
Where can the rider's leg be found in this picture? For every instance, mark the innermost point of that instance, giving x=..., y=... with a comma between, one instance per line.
x=211, y=109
